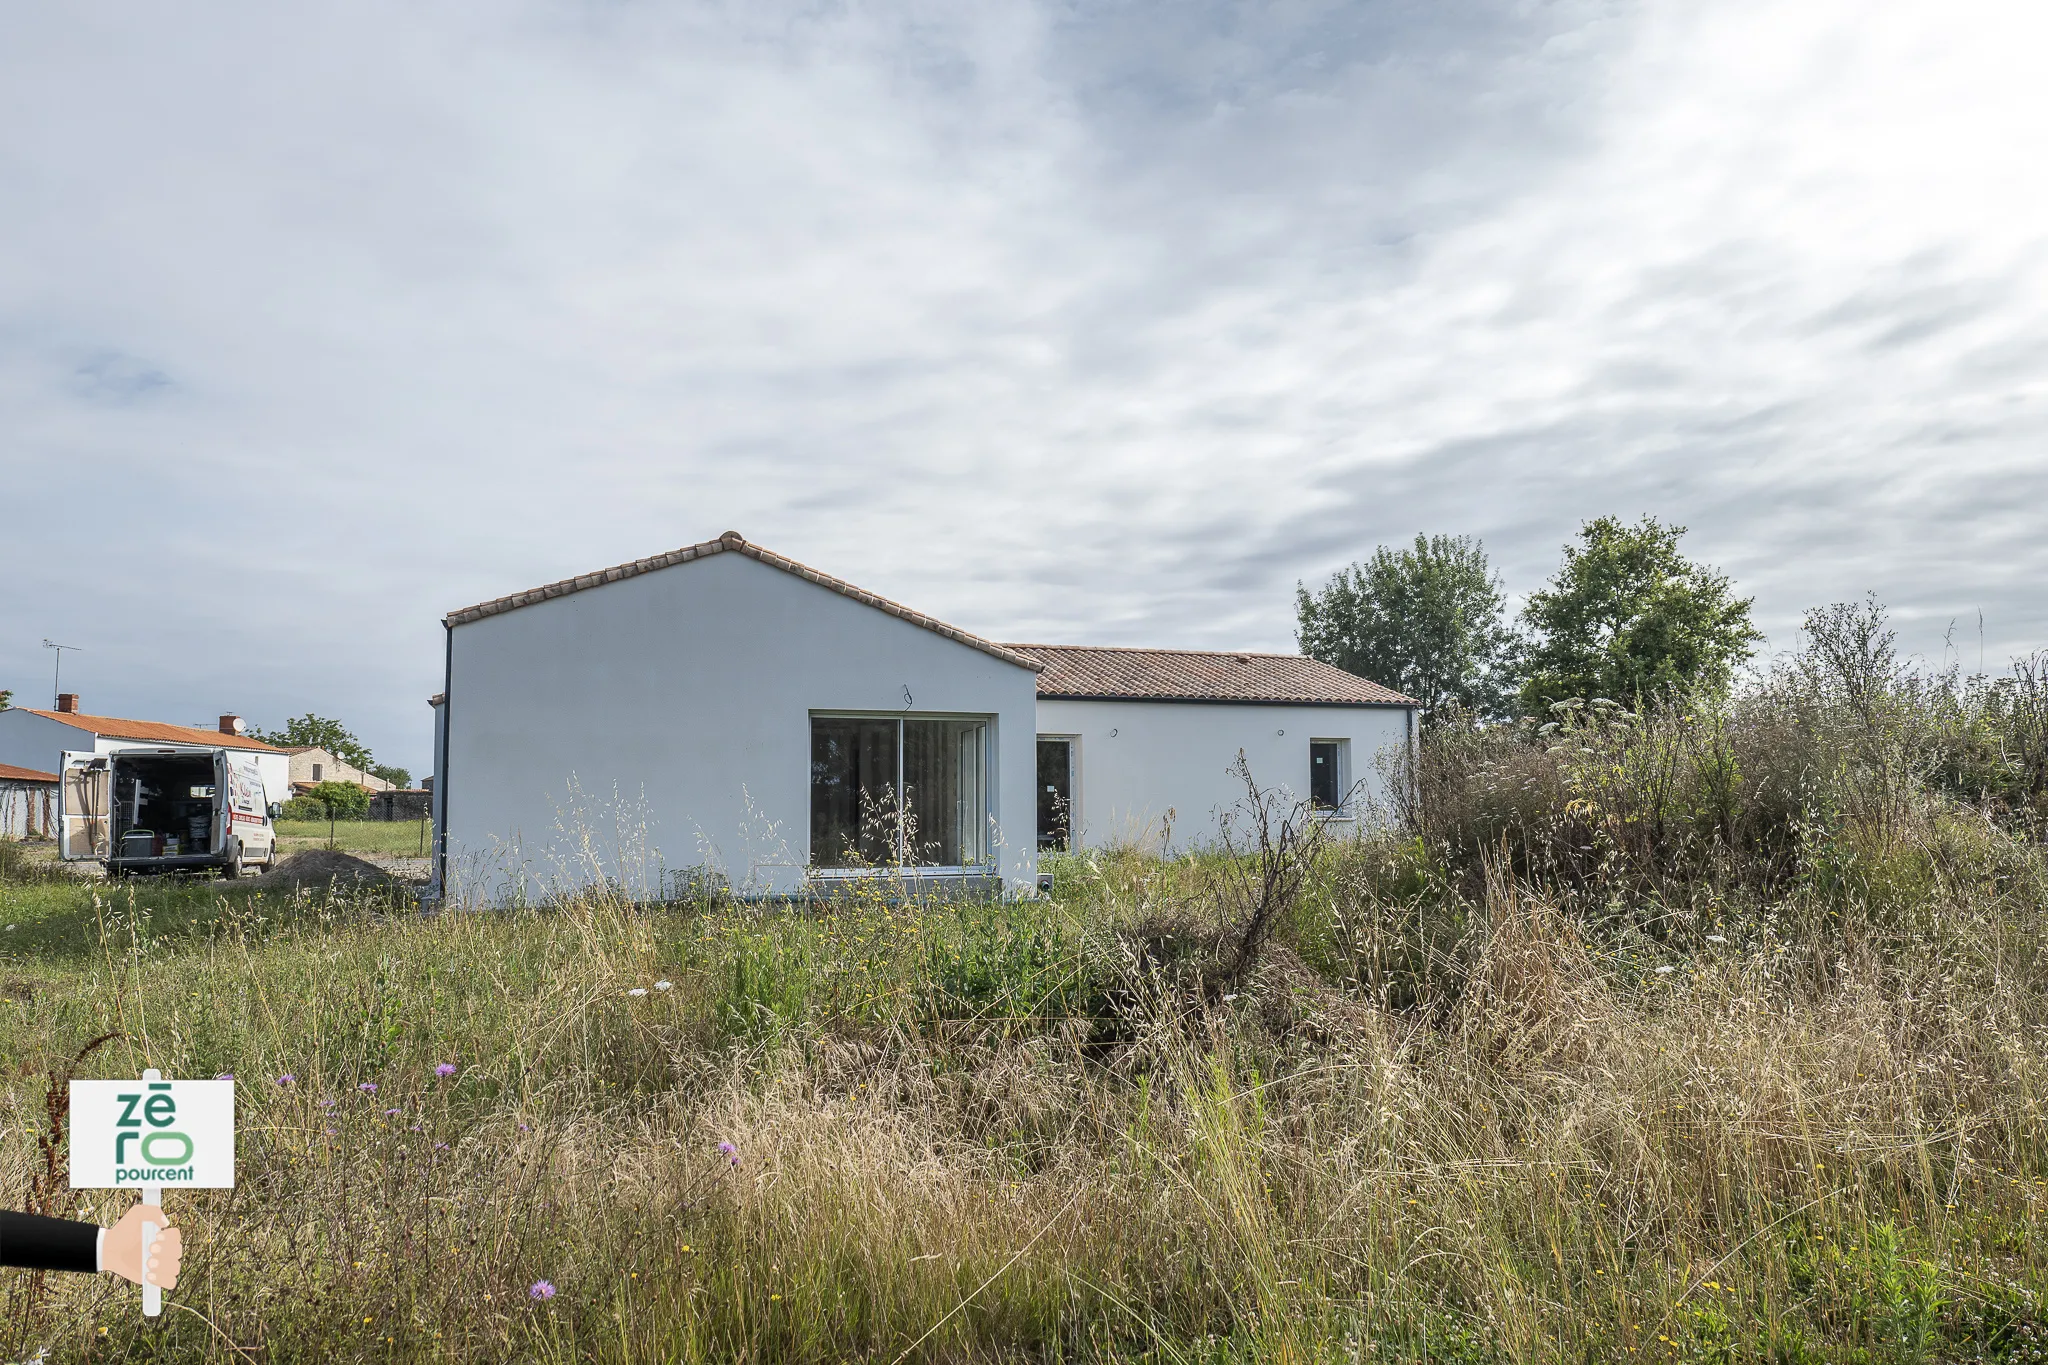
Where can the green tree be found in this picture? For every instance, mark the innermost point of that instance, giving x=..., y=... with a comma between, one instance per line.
x=1428, y=621
x=396, y=776
x=344, y=800
x=1628, y=616
x=6, y=698
x=323, y=733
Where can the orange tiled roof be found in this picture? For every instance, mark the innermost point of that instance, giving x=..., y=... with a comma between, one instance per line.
x=1102, y=673
x=10, y=773
x=735, y=542
x=108, y=727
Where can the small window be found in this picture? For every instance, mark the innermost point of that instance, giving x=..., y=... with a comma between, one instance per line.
x=316, y=772
x=1326, y=778
x=1055, y=793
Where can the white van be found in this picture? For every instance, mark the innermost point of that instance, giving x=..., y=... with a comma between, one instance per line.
x=171, y=809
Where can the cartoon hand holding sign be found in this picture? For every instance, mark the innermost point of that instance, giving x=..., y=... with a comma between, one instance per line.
x=144, y=1135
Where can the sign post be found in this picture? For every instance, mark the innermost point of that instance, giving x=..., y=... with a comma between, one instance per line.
x=146, y=1134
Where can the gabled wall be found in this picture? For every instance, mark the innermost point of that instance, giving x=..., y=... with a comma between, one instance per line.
x=28, y=740
x=663, y=722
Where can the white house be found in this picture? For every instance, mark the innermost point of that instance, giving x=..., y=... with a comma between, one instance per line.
x=31, y=738
x=724, y=709
x=311, y=765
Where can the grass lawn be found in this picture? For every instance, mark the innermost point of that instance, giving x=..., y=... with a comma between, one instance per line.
x=400, y=838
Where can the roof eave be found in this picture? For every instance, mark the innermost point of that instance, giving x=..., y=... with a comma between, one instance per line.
x=1396, y=704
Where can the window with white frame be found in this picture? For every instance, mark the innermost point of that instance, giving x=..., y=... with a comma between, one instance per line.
x=906, y=791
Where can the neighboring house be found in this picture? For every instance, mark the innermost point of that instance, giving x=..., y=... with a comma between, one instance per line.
x=1137, y=745
x=312, y=765
x=725, y=708
x=31, y=738
x=28, y=803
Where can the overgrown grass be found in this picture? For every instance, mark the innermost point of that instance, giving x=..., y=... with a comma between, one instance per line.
x=1675, y=1101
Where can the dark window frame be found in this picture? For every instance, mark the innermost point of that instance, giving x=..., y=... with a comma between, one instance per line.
x=981, y=783
x=1329, y=787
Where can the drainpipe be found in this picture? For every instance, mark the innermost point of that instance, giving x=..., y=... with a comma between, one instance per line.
x=1414, y=769
x=441, y=762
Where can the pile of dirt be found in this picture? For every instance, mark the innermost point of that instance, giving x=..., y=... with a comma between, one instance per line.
x=323, y=867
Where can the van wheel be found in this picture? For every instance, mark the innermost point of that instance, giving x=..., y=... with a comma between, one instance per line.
x=232, y=868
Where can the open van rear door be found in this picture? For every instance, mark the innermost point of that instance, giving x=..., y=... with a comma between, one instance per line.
x=84, y=810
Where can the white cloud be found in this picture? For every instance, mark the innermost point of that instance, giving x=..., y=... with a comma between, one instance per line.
x=1098, y=322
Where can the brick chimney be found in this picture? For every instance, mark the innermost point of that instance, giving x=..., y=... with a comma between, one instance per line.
x=231, y=725
x=67, y=702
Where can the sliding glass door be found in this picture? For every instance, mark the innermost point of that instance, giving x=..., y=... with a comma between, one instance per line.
x=907, y=791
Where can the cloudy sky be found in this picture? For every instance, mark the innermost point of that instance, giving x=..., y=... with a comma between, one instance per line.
x=1102, y=321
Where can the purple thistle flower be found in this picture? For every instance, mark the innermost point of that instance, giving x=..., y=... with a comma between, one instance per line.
x=728, y=1150
x=445, y=1070
x=440, y=1146
x=287, y=1079
x=389, y=1112
x=327, y=1104
x=368, y=1087
x=225, y=1076
x=541, y=1290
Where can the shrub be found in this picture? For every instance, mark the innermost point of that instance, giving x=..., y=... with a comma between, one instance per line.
x=334, y=800
x=304, y=808
x=1708, y=797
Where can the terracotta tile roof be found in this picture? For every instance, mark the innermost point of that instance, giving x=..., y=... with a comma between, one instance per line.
x=1094, y=672
x=10, y=773
x=108, y=727
x=734, y=542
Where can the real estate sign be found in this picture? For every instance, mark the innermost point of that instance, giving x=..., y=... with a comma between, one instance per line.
x=152, y=1134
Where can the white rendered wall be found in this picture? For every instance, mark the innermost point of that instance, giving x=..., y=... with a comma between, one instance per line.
x=29, y=741
x=679, y=704
x=1136, y=760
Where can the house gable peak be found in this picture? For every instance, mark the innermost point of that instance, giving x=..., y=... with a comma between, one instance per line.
x=734, y=543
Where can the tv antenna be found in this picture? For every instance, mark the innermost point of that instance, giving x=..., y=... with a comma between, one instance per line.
x=57, y=677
